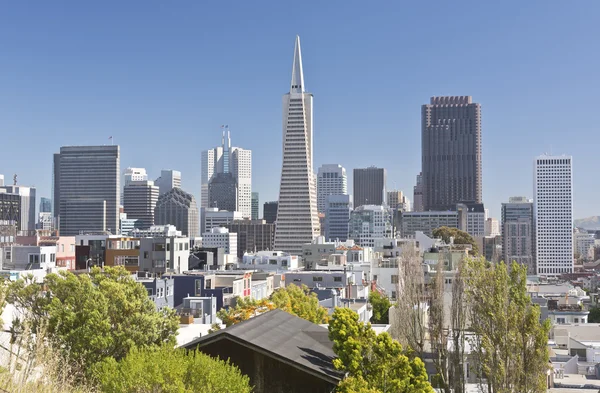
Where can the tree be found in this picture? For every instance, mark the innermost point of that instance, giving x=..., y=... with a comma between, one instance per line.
x=169, y=370
x=594, y=316
x=509, y=342
x=460, y=237
x=381, y=307
x=292, y=299
x=377, y=360
x=90, y=317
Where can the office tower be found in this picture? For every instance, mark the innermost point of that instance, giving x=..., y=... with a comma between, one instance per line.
x=255, y=203
x=492, y=227
x=369, y=223
x=337, y=217
x=297, y=216
x=331, y=180
x=168, y=180
x=45, y=205
x=44, y=221
x=270, y=212
x=55, y=188
x=517, y=232
x=231, y=166
x=583, y=241
x=213, y=217
x=10, y=216
x=139, y=201
x=221, y=238
x=471, y=218
x=134, y=174
x=1, y=180
x=451, y=152
x=418, y=194
x=369, y=186
x=28, y=204
x=252, y=235
x=88, y=189
x=396, y=200
x=412, y=222
x=553, y=214
x=178, y=208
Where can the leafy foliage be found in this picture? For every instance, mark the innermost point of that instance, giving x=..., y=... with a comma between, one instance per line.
x=377, y=360
x=169, y=370
x=460, y=237
x=594, y=316
x=90, y=317
x=381, y=307
x=292, y=299
x=509, y=341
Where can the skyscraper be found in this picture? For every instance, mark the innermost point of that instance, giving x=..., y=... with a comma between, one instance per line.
x=270, y=212
x=236, y=164
x=331, y=180
x=337, y=217
x=553, y=214
x=168, y=180
x=297, y=216
x=178, y=208
x=369, y=186
x=133, y=174
x=517, y=232
x=418, y=194
x=451, y=152
x=87, y=184
x=45, y=205
x=255, y=203
x=28, y=204
x=139, y=201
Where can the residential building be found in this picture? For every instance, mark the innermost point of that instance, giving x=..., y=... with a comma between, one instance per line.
x=164, y=254
x=45, y=205
x=369, y=186
x=517, y=232
x=226, y=178
x=426, y=222
x=90, y=249
x=207, y=258
x=349, y=284
x=168, y=180
x=418, y=194
x=86, y=184
x=471, y=218
x=212, y=217
x=337, y=217
x=65, y=251
x=553, y=214
x=270, y=212
x=221, y=238
x=123, y=251
x=28, y=205
x=583, y=242
x=157, y=231
x=278, y=351
x=492, y=227
x=252, y=235
x=178, y=208
x=331, y=180
x=162, y=292
x=255, y=204
x=451, y=152
x=297, y=215
x=368, y=223
x=139, y=201
x=17, y=257
x=270, y=260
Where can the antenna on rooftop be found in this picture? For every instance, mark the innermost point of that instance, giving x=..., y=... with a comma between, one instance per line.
x=15, y=180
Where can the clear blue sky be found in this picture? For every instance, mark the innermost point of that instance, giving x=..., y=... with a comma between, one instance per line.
x=161, y=77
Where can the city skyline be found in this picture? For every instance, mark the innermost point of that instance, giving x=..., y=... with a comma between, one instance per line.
x=512, y=136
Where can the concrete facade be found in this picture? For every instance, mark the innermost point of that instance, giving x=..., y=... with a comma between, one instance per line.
x=331, y=180
x=164, y=254
x=337, y=217
x=369, y=223
x=369, y=186
x=178, y=208
x=168, y=180
x=517, y=232
x=28, y=205
x=139, y=201
x=252, y=235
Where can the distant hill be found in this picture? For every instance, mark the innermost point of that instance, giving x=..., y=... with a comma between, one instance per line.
x=588, y=222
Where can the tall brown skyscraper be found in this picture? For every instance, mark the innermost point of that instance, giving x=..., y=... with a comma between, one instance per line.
x=451, y=152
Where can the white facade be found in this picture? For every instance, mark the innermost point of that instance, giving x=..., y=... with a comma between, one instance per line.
x=28, y=205
x=583, y=242
x=553, y=214
x=164, y=254
x=168, y=180
x=28, y=257
x=44, y=221
x=492, y=227
x=220, y=237
x=331, y=180
x=157, y=231
x=270, y=260
x=214, y=218
x=134, y=174
x=297, y=215
x=228, y=159
x=369, y=223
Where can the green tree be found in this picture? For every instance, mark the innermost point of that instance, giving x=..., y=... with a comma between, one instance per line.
x=381, y=307
x=90, y=317
x=509, y=341
x=375, y=359
x=169, y=370
x=293, y=299
x=594, y=316
x=460, y=237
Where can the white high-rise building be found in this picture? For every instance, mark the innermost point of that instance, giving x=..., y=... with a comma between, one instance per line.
x=553, y=214
x=168, y=180
x=133, y=174
x=227, y=159
x=297, y=215
x=331, y=180
x=28, y=197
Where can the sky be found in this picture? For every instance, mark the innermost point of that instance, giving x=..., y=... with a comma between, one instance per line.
x=162, y=77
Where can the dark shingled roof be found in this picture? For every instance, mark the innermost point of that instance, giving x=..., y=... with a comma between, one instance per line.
x=285, y=337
